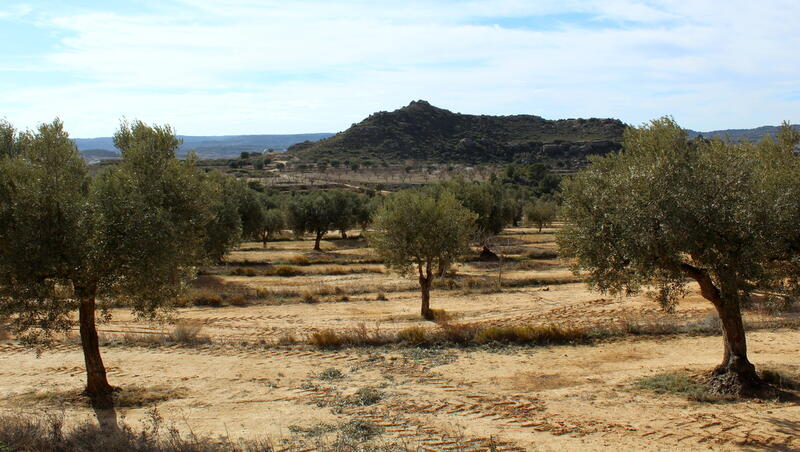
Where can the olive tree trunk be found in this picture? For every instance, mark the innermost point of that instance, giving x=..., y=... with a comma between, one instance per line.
x=97, y=387
x=317, y=240
x=734, y=359
x=425, y=280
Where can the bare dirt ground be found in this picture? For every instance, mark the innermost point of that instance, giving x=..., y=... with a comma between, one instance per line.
x=584, y=397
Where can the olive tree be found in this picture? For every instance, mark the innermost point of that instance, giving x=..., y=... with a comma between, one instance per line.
x=666, y=210
x=224, y=196
x=541, y=213
x=67, y=242
x=417, y=233
x=312, y=212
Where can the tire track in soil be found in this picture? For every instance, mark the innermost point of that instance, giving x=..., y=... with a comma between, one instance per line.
x=710, y=428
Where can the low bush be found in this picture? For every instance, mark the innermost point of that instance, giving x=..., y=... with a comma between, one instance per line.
x=366, y=397
x=331, y=374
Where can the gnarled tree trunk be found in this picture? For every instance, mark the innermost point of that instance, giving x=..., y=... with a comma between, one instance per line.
x=735, y=374
x=735, y=357
x=97, y=387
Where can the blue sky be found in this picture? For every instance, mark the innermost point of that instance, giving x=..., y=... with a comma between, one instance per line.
x=216, y=67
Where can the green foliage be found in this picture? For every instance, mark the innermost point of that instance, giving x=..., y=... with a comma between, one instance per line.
x=536, y=178
x=489, y=201
x=133, y=234
x=8, y=140
x=541, y=213
x=667, y=206
x=261, y=216
x=224, y=195
x=413, y=230
x=320, y=212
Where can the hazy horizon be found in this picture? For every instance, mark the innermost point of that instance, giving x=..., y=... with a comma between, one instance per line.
x=244, y=67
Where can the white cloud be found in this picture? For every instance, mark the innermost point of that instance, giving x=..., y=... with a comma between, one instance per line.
x=245, y=66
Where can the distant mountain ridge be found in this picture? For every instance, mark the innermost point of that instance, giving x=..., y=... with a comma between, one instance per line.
x=206, y=146
x=738, y=135
x=423, y=132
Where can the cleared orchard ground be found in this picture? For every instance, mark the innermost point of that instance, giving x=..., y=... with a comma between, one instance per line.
x=581, y=397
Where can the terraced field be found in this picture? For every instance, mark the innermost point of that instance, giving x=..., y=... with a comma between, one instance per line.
x=248, y=370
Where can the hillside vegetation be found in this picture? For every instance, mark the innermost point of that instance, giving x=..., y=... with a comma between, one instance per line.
x=423, y=132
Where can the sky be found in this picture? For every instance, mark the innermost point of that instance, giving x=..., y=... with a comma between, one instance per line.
x=224, y=67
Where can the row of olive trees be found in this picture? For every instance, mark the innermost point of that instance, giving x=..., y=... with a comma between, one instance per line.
x=260, y=215
x=323, y=211
x=134, y=233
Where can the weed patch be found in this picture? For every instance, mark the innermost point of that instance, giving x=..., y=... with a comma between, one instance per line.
x=683, y=384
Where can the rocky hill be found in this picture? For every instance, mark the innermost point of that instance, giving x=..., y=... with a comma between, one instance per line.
x=423, y=132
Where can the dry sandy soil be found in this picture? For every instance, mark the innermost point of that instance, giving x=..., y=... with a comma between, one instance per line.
x=581, y=397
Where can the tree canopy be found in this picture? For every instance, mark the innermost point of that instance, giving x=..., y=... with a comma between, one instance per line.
x=667, y=209
x=133, y=234
x=415, y=232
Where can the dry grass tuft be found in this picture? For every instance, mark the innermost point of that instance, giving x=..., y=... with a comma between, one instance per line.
x=133, y=396
x=188, y=333
x=287, y=338
x=353, y=337
x=244, y=271
x=238, y=300
x=541, y=253
x=415, y=335
x=205, y=298
x=284, y=271
x=309, y=296
x=47, y=433
x=532, y=335
x=440, y=315
x=299, y=260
